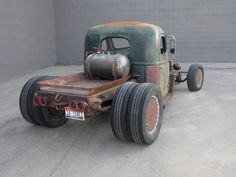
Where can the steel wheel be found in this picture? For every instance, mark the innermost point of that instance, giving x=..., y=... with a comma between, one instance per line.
x=199, y=78
x=51, y=117
x=152, y=115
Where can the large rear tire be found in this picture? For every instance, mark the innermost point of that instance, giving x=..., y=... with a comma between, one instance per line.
x=37, y=115
x=145, y=112
x=119, y=111
x=27, y=107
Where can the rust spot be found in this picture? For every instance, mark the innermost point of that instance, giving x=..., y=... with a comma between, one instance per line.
x=78, y=82
x=125, y=24
x=153, y=74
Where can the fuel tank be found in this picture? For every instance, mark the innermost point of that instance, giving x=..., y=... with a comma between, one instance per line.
x=107, y=66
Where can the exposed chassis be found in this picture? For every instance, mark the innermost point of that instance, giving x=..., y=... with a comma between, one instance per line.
x=96, y=93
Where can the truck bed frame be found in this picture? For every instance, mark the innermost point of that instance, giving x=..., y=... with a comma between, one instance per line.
x=61, y=90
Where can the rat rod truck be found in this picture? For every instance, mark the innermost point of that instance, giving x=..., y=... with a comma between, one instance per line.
x=128, y=70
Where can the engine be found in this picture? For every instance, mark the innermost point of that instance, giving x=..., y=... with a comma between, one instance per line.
x=107, y=66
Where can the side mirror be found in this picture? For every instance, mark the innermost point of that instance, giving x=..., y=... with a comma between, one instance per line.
x=172, y=46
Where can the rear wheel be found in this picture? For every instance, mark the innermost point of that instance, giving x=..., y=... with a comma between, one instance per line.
x=145, y=112
x=50, y=116
x=119, y=111
x=195, y=77
x=27, y=107
x=38, y=115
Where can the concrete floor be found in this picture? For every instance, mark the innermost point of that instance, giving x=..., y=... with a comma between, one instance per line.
x=197, y=139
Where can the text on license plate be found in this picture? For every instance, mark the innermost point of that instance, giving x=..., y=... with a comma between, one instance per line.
x=74, y=114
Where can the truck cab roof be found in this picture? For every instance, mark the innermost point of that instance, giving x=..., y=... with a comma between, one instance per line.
x=143, y=39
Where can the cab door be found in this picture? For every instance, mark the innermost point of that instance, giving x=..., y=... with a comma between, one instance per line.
x=164, y=65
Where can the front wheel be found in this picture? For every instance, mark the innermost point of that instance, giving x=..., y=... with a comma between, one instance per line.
x=195, y=77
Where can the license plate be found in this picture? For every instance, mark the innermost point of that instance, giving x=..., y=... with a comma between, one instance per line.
x=74, y=114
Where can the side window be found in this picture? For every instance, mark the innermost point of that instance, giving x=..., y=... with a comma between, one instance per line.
x=104, y=45
x=115, y=44
x=163, y=46
x=121, y=44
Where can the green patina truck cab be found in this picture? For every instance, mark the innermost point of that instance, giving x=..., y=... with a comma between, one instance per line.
x=147, y=54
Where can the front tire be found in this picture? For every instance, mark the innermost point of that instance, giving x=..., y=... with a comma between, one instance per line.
x=195, y=77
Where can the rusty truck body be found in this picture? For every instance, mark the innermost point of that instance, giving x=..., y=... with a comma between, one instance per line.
x=129, y=70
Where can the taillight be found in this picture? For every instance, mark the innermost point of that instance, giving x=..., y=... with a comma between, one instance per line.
x=81, y=106
x=43, y=101
x=73, y=104
x=78, y=105
x=36, y=101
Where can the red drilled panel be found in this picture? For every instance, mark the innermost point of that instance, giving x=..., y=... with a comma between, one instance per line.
x=153, y=74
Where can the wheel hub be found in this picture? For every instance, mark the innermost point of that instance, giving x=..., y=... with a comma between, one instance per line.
x=199, y=78
x=152, y=115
